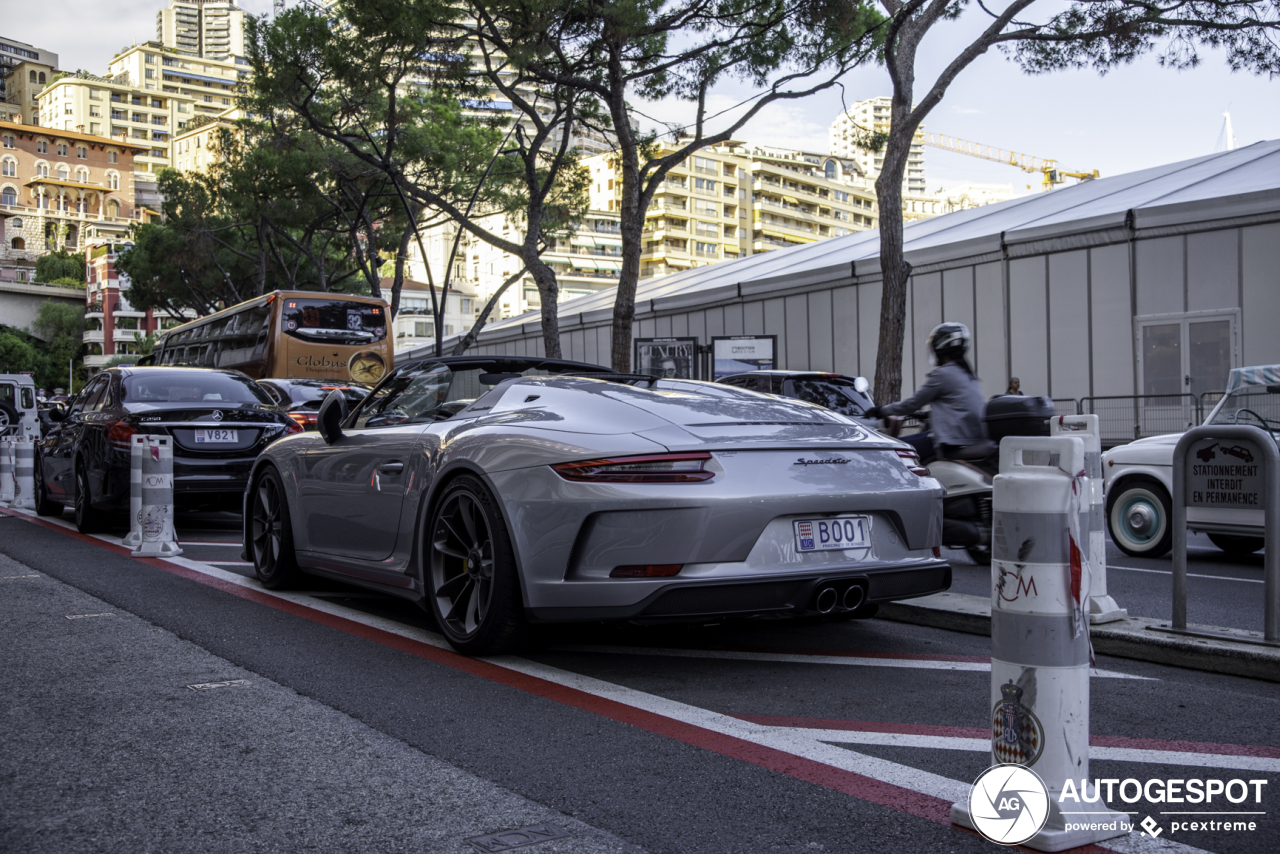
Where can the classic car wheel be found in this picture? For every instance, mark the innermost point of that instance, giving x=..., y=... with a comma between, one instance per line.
x=44, y=506
x=472, y=585
x=88, y=520
x=1139, y=515
x=271, y=534
x=1234, y=544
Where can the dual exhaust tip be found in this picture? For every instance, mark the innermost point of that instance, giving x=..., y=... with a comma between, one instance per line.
x=830, y=597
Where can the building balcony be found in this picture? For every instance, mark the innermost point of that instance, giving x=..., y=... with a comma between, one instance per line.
x=94, y=336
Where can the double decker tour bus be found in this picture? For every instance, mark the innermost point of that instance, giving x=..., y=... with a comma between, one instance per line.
x=287, y=334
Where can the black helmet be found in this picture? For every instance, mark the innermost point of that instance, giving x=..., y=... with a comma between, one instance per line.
x=948, y=341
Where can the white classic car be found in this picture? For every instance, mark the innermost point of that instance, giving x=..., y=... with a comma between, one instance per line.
x=1139, y=477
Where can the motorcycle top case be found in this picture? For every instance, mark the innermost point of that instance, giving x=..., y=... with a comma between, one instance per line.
x=1016, y=415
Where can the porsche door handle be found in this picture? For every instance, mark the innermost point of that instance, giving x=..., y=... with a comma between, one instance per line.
x=391, y=467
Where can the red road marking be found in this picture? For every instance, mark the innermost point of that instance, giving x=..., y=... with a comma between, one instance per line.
x=979, y=732
x=859, y=786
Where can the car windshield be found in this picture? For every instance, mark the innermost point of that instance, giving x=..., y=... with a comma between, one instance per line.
x=836, y=394
x=159, y=388
x=1256, y=405
x=432, y=392
x=335, y=321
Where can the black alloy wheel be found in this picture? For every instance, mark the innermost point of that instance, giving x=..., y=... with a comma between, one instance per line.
x=472, y=586
x=88, y=519
x=9, y=419
x=44, y=505
x=271, y=534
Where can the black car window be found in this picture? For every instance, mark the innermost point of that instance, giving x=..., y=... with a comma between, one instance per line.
x=94, y=395
x=186, y=387
x=414, y=396
x=277, y=396
x=830, y=393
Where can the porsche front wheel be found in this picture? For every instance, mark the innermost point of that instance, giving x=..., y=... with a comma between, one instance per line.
x=472, y=585
x=271, y=534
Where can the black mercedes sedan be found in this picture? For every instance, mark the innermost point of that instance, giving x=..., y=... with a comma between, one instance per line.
x=219, y=421
x=301, y=398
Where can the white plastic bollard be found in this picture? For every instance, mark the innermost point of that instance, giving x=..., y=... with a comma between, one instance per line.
x=1039, y=635
x=137, y=448
x=1102, y=607
x=156, y=513
x=24, y=474
x=6, y=470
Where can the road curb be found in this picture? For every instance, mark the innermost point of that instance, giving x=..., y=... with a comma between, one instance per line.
x=1129, y=638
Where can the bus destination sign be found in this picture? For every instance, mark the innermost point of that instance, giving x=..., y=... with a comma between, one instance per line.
x=1225, y=474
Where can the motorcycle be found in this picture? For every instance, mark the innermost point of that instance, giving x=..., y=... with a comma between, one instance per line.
x=967, y=473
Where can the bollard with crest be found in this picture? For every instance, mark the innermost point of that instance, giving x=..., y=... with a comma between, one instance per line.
x=1040, y=651
x=24, y=473
x=6, y=470
x=155, y=489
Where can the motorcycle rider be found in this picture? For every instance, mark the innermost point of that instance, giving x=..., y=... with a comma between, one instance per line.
x=954, y=393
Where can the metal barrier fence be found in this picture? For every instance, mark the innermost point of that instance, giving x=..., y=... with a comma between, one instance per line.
x=1124, y=418
x=1065, y=406
x=1208, y=401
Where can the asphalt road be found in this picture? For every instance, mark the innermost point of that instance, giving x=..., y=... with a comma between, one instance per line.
x=349, y=728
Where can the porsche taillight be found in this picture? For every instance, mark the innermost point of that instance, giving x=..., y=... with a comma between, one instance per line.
x=656, y=468
x=912, y=460
x=119, y=433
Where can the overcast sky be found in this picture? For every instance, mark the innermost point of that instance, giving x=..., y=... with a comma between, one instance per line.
x=1130, y=119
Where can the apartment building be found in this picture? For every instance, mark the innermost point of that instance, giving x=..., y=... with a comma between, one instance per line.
x=113, y=326
x=585, y=257
x=737, y=199
x=148, y=96
x=874, y=115
x=59, y=189
x=24, y=71
x=212, y=29
x=414, y=324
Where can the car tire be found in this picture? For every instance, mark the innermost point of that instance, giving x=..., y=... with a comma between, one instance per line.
x=1234, y=544
x=469, y=571
x=1140, y=517
x=271, y=533
x=10, y=420
x=89, y=520
x=981, y=555
x=44, y=505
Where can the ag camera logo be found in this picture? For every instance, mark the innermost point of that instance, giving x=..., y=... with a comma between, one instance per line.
x=1009, y=804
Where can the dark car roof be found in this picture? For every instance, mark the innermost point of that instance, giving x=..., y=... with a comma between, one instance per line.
x=513, y=364
x=147, y=370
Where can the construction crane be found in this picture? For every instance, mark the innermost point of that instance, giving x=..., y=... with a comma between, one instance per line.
x=1048, y=168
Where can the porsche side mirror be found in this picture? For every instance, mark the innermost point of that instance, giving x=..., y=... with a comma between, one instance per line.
x=332, y=413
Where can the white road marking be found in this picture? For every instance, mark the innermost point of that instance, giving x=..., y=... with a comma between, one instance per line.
x=85, y=616
x=802, y=658
x=983, y=745
x=1189, y=574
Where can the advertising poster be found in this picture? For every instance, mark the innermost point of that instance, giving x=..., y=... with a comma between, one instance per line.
x=672, y=358
x=739, y=353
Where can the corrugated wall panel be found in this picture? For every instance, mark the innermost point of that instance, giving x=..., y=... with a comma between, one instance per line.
x=1261, y=286
x=844, y=322
x=714, y=322
x=869, y=297
x=821, y=357
x=698, y=326
x=775, y=323
x=680, y=324
x=926, y=313
x=752, y=319
x=1213, y=270
x=1028, y=324
x=733, y=324
x=1069, y=324
x=1112, y=319
x=797, y=321
x=957, y=296
x=1161, y=275
x=662, y=325
x=989, y=327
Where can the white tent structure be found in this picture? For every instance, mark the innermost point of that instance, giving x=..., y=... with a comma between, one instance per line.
x=1154, y=282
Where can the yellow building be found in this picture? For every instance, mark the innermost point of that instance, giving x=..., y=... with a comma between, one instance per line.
x=195, y=149
x=24, y=70
x=737, y=199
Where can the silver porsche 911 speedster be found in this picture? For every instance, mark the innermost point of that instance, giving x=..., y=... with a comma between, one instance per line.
x=501, y=492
